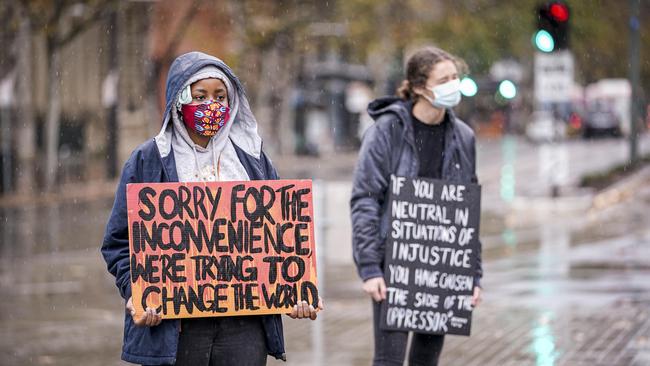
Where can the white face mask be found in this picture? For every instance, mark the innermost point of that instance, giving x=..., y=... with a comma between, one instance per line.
x=445, y=95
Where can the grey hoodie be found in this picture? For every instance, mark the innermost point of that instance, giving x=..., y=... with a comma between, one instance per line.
x=218, y=161
x=195, y=163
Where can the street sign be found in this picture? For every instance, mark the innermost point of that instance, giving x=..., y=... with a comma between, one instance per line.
x=507, y=69
x=553, y=166
x=553, y=77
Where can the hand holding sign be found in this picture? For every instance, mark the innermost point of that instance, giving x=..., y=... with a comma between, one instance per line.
x=477, y=298
x=376, y=288
x=149, y=318
x=304, y=310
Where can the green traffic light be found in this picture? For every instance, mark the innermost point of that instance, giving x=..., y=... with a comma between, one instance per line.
x=468, y=87
x=544, y=41
x=507, y=89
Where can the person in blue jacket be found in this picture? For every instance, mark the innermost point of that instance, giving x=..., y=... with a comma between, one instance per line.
x=208, y=134
x=415, y=134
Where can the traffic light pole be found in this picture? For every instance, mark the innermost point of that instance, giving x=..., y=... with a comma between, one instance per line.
x=634, y=79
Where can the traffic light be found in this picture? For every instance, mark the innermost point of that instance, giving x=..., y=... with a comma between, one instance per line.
x=544, y=41
x=468, y=87
x=507, y=89
x=552, y=27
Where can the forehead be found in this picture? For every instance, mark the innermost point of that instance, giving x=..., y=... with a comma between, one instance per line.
x=442, y=69
x=210, y=84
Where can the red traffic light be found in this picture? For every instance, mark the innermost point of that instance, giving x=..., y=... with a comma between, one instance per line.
x=559, y=12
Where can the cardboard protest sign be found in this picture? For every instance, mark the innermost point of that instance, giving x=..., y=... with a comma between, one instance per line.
x=431, y=254
x=221, y=248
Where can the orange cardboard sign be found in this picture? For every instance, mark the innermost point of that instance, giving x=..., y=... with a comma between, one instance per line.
x=221, y=248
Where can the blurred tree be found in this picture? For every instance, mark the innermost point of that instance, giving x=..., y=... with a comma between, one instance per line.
x=272, y=37
x=165, y=50
x=59, y=22
x=266, y=41
x=484, y=31
x=479, y=31
x=7, y=37
x=380, y=31
x=7, y=80
x=16, y=59
x=599, y=39
x=261, y=40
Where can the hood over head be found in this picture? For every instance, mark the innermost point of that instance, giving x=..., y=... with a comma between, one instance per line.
x=193, y=66
x=390, y=104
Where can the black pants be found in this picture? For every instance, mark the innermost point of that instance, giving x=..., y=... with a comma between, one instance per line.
x=390, y=346
x=221, y=341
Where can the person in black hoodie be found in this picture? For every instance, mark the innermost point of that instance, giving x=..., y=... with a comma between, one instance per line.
x=415, y=135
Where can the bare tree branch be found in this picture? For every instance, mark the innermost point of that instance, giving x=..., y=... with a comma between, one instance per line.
x=158, y=62
x=180, y=31
x=100, y=11
x=53, y=20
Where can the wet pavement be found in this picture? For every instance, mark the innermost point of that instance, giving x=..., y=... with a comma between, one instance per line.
x=562, y=287
x=59, y=305
x=566, y=299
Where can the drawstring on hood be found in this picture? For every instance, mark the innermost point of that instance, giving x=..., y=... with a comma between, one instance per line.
x=215, y=164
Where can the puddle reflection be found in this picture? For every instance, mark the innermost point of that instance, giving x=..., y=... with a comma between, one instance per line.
x=543, y=341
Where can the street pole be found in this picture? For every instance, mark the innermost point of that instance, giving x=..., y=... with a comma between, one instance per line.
x=634, y=78
x=6, y=150
x=111, y=98
x=320, y=217
x=25, y=179
x=6, y=101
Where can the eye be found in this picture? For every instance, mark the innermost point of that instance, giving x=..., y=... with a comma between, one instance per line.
x=221, y=98
x=199, y=97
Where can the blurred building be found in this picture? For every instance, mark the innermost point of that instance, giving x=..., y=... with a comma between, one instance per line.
x=88, y=86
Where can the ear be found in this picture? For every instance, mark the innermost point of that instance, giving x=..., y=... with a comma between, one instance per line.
x=418, y=90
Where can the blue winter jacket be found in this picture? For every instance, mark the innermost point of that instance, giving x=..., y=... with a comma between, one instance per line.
x=147, y=164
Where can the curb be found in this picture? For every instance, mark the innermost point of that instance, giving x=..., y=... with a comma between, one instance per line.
x=67, y=193
x=621, y=190
x=585, y=200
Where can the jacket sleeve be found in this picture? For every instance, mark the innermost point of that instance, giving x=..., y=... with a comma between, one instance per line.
x=270, y=172
x=479, y=260
x=115, y=247
x=371, y=179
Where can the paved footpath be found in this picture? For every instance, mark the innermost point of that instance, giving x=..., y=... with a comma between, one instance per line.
x=571, y=290
x=579, y=296
x=561, y=291
x=615, y=333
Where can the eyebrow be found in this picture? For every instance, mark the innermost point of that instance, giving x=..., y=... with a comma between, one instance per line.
x=452, y=76
x=201, y=90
